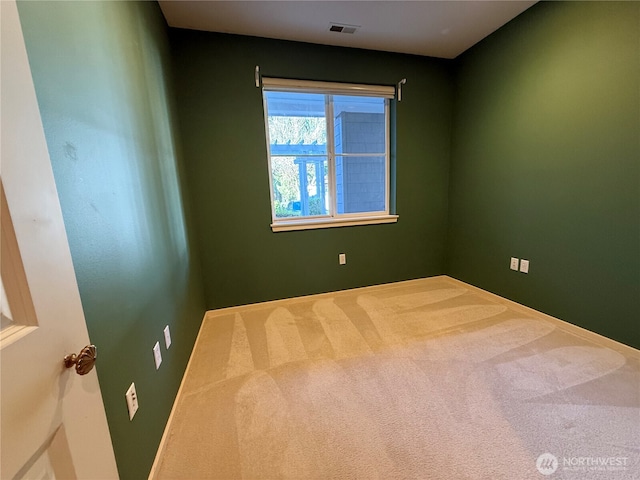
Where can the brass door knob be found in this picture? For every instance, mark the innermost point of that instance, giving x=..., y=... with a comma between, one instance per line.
x=84, y=361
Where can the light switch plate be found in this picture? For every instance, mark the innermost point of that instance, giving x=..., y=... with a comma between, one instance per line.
x=342, y=258
x=157, y=356
x=524, y=266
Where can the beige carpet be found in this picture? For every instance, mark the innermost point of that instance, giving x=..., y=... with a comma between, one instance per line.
x=427, y=379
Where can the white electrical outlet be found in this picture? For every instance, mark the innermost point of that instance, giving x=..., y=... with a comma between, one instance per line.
x=514, y=264
x=167, y=337
x=132, y=401
x=342, y=258
x=157, y=356
x=524, y=266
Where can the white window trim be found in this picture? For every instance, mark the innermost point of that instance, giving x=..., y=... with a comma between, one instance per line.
x=310, y=223
x=330, y=88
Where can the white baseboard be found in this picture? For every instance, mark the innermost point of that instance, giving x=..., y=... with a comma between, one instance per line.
x=574, y=329
x=167, y=427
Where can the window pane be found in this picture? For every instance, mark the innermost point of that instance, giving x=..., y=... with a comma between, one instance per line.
x=6, y=318
x=300, y=186
x=297, y=123
x=359, y=124
x=360, y=184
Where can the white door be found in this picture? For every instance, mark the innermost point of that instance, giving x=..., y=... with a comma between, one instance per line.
x=53, y=423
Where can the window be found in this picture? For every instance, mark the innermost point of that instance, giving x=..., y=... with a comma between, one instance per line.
x=17, y=313
x=328, y=149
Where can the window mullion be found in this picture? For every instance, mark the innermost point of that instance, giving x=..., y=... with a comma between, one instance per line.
x=331, y=157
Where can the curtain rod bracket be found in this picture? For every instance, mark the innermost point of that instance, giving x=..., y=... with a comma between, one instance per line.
x=399, y=86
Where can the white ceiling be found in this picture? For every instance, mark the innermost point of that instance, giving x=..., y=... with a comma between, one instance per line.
x=442, y=29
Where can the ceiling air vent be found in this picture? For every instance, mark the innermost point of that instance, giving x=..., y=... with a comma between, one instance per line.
x=343, y=28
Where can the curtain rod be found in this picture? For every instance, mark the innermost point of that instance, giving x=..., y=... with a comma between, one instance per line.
x=399, y=88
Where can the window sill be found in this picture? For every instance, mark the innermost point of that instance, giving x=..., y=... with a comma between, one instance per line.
x=309, y=223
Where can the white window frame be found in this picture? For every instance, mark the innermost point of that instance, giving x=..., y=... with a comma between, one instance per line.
x=333, y=219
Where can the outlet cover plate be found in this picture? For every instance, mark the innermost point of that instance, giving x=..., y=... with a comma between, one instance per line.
x=132, y=400
x=167, y=337
x=524, y=266
x=514, y=264
x=157, y=356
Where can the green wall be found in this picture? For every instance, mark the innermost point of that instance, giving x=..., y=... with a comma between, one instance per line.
x=101, y=76
x=222, y=130
x=546, y=164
